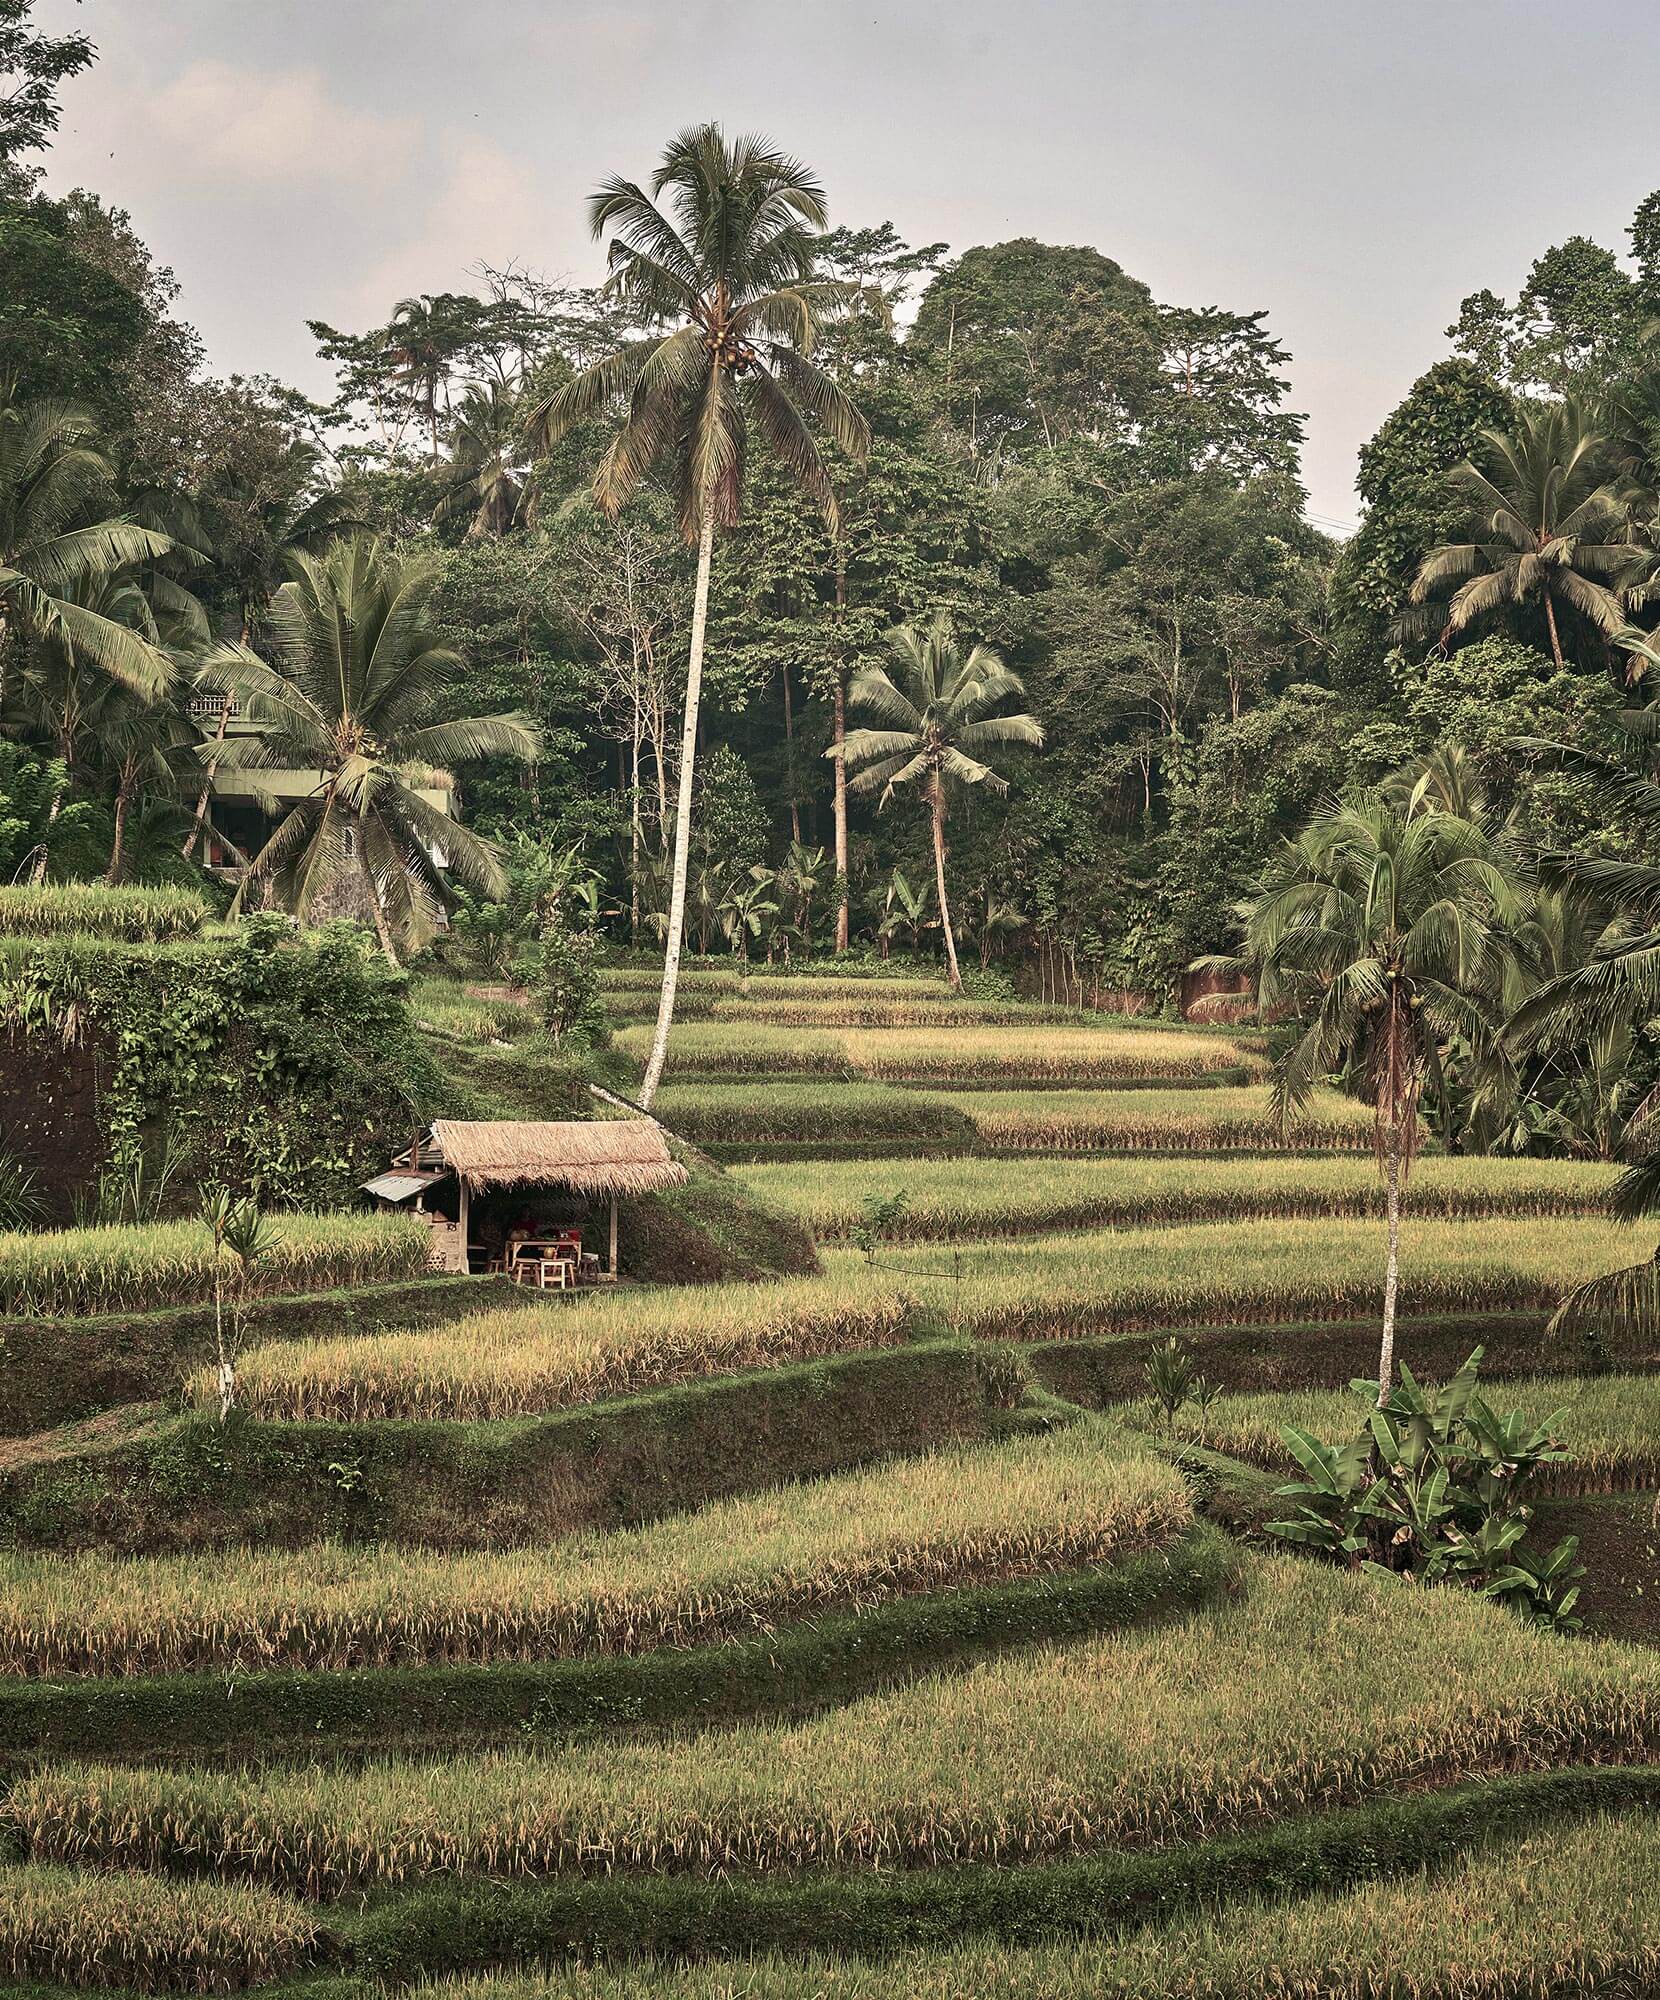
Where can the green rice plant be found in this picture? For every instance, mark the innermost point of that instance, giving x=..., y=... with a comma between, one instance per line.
x=1239, y=1273
x=839, y=986
x=132, y=1931
x=1312, y=1688
x=740, y=1114
x=649, y=979
x=1223, y=1119
x=1611, y=1426
x=135, y=916
x=552, y=1355
x=969, y=1515
x=1058, y=1054
x=142, y=1267
x=1000, y=1197
x=1571, y=1910
x=874, y=1007
x=448, y=1008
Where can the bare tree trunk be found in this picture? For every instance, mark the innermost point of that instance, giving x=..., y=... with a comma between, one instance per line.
x=634, y=837
x=1392, y=1263
x=199, y=824
x=683, y=809
x=43, y=856
x=939, y=883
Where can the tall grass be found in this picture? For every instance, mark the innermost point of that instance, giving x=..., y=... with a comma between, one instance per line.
x=134, y=1932
x=1216, y=1274
x=1314, y=1688
x=550, y=1356
x=975, y=1514
x=1057, y=1054
x=1571, y=1910
x=139, y=1267
x=978, y=1197
x=715, y=1114
x=1611, y=1426
x=1223, y=1119
x=446, y=1005
x=135, y=916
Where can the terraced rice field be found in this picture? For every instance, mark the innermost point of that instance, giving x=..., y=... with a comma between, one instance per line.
x=990, y=1197
x=1031, y=1507
x=1312, y=1689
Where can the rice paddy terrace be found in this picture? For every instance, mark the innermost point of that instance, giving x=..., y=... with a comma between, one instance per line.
x=858, y=1633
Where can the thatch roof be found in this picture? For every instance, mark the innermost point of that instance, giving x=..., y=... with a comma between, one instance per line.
x=591, y=1155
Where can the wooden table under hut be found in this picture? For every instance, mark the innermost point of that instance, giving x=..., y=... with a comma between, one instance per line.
x=528, y=1198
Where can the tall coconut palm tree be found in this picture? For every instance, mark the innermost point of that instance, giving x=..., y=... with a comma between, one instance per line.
x=1381, y=921
x=728, y=269
x=1547, y=526
x=58, y=539
x=936, y=709
x=356, y=692
x=420, y=344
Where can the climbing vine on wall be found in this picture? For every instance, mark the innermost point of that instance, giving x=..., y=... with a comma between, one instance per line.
x=276, y=1060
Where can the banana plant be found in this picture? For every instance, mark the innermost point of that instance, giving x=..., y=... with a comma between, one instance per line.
x=748, y=910
x=1339, y=1480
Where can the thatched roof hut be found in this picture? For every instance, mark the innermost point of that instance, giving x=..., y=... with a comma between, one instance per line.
x=605, y=1156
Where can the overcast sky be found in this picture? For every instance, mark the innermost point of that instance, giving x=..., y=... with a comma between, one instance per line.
x=1354, y=166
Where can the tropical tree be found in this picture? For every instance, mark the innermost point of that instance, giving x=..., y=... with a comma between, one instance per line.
x=1547, y=526
x=421, y=344
x=748, y=909
x=488, y=477
x=57, y=533
x=1377, y=925
x=725, y=280
x=801, y=875
x=937, y=711
x=904, y=912
x=357, y=691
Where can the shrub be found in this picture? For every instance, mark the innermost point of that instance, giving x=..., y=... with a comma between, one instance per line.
x=567, y=977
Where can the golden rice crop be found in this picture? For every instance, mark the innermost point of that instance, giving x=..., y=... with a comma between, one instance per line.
x=1057, y=1054
x=139, y=1267
x=133, y=915
x=972, y=1514
x=1222, y=1273
x=1611, y=1425
x=133, y=1931
x=998, y=1197
x=772, y=1112
x=549, y=1356
x=1313, y=1688
x=1569, y=1910
x=1223, y=1119
x=874, y=1007
x=842, y=986
x=649, y=979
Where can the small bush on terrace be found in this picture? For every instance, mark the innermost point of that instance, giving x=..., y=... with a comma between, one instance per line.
x=144, y=1267
x=133, y=916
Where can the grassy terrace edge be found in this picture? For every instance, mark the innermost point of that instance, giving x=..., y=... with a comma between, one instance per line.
x=816, y=1664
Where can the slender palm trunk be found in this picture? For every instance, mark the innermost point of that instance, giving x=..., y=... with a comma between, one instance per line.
x=118, y=847
x=938, y=814
x=1392, y=1263
x=838, y=740
x=44, y=856
x=1550, y=621
x=683, y=809
x=199, y=824
x=789, y=757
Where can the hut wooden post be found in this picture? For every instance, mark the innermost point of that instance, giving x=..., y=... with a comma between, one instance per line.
x=461, y=1226
x=613, y=1236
